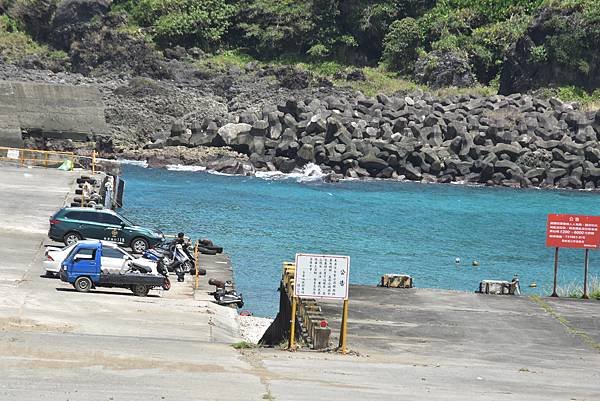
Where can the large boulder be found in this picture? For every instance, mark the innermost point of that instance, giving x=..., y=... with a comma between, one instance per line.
x=229, y=132
x=441, y=69
x=532, y=62
x=74, y=18
x=372, y=163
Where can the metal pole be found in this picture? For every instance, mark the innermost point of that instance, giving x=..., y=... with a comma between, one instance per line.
x=197, y=262
x=554, y=294
x=292, y=345
x=344, y=329
x=585, y=276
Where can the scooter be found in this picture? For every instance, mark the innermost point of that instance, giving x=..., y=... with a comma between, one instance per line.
x=172, y=250
x=177, y=261
x=224, y=293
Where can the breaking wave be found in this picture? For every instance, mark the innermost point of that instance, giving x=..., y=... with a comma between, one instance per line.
x=139, y=163
x=181, y=167
x=310, y=172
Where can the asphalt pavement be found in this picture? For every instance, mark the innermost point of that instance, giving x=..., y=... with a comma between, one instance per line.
x=58, y=345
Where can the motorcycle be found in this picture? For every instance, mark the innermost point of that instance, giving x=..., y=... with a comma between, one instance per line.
x=224, y=293
x=173, y=251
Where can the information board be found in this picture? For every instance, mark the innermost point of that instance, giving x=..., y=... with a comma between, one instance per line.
x=12, y=154
x=322, y=276
x=573, y=231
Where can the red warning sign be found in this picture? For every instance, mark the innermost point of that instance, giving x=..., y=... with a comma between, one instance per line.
x=573, y=231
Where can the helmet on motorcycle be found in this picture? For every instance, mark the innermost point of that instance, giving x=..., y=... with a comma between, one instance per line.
x=180, y=235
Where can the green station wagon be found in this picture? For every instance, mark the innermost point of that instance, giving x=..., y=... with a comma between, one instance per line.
x=71, y=224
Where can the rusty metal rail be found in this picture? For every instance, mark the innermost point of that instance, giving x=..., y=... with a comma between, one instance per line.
x=308, y=313
x=36, y=157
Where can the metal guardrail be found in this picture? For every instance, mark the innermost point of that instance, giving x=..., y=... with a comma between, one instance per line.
x=51, y=158
x=308, y=313
x=36, y=157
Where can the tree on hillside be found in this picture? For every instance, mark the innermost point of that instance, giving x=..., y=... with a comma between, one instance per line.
x=185, y=22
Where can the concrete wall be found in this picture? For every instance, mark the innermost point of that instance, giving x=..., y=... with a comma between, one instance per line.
x=51, y=111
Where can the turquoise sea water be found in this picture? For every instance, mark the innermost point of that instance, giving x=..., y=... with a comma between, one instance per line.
x=385, y=227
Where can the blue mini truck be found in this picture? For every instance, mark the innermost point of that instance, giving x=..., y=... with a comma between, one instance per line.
x=83, y=269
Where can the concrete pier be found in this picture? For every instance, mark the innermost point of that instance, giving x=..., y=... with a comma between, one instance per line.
x=58, y=344
x=413, y=344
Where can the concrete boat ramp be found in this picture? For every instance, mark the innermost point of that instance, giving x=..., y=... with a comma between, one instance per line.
x=57, y=344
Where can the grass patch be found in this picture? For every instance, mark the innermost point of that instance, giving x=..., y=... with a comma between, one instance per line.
x=575, y=290
x=243, y=345
x=268, y=396
x=380, y=81
x=224, y=60
x=589, y=101
x=377, y=79
x=14, y=44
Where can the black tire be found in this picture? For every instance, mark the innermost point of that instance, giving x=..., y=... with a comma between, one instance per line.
x=84, y=180
x=218, y=249
x=78, y=191
x=139, y=244
x=74, y=204
x=166, y=284
x=72, y=237
x=189, y=268
x=206, y=251
x=140, y=290
x=83, y=284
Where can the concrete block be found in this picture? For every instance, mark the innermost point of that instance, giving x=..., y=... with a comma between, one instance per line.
x=498, y=287
x=321, y=337
x=396, y=281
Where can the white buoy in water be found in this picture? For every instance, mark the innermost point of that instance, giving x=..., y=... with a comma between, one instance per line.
x=475, y=263
x=457, y=260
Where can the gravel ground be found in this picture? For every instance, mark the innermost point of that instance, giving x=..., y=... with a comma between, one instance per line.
x=252, y=328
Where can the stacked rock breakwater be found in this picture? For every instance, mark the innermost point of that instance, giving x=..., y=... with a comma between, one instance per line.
x=515, y=140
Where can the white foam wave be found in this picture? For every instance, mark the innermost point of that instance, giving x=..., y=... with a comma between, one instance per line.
x=181, y=167
x=213, y=172
x=310, y=172
x=140, y=163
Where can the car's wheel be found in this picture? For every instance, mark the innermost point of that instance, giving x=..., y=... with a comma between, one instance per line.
x=71, y=237
x=83, y=284
x=139, y=245
x=140, y=290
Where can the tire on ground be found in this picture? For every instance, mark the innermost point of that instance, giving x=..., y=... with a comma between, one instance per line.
x=83, y=284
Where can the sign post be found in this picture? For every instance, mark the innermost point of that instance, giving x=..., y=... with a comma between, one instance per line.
x=585, y=275
x=572, y=231
x=554, y=294
x=197, y=262
x=325, y=277
x=292, y=344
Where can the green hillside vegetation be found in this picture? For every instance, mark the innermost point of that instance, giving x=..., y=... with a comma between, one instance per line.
x=397, y=43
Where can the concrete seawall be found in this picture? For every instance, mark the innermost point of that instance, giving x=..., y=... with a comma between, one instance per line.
x=49, y=111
